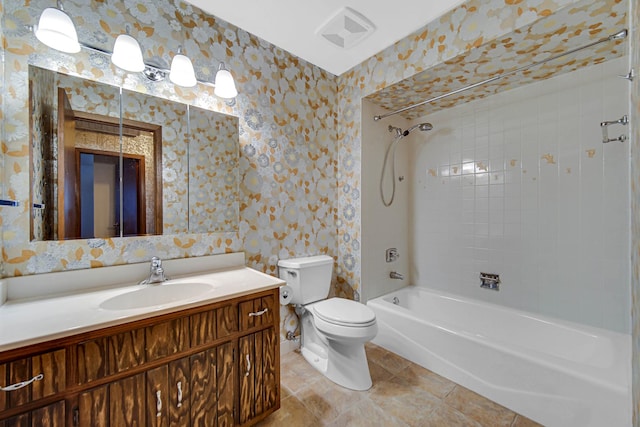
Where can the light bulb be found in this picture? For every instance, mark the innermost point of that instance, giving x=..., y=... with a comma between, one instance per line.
x=127, y=54
x=182, y=73
x=56, y=30
x=225, y=86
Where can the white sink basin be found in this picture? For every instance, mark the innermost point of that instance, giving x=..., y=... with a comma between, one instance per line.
x=157, y=295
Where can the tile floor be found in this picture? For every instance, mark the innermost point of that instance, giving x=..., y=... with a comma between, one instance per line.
x=403, y=394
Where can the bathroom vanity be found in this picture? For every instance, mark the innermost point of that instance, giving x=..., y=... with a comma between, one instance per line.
x=212, y=359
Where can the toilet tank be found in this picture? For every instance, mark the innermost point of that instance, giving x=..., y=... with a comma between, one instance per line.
x=308, y=277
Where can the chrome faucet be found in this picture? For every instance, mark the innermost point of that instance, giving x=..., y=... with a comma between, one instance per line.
x=156, y=272
x=396, y=275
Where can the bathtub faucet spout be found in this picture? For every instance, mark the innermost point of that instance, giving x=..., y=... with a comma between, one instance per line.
x=396, y=275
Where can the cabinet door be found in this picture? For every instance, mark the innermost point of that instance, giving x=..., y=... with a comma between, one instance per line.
x=168, y=394
x=93, y=408
x=127, y=402
x=203, y=388
x=179, y=389
x=258, y=374
x=50, y=416
x=213, y=379
x=225, y=374
x=156, y=397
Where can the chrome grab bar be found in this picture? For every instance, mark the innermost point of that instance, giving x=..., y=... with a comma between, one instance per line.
x=624, y=120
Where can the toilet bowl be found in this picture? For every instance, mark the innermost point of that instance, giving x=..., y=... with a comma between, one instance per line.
x=336, y=346
x=334, y=330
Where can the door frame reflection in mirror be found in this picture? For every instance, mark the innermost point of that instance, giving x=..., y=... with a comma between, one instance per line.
x=150, y=193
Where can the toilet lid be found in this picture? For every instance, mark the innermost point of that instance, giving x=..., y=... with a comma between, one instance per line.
x=344, y=312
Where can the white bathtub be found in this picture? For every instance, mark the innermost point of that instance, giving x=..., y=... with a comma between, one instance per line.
x=555, y=372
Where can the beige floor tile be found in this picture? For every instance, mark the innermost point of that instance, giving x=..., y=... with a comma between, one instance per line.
x=374, y=352
x=479, y=408
x=378, y=372
x=435, y=384
x=404, y=400
x=284, y=392
x=366, y=414
x=403, y=394
x=521, y=421
x=291, y=413
x=327, y=400
x=296, y=373
x=390, y=361
x=444, y=415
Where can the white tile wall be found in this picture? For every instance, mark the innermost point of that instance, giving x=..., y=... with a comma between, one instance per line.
x=520, y=184
x=383, y=227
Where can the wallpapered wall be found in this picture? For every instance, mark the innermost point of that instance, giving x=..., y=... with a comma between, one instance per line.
x=213, y=166
x=287, y=133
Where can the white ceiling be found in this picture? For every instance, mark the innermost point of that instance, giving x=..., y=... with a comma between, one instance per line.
x=292, y=24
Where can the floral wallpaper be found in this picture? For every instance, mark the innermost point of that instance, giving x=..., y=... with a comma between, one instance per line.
x=540, y=40
x=213, y=166
x=287, y=163
x=172, y=118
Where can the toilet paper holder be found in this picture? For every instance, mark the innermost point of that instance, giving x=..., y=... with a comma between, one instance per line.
x=286, y=294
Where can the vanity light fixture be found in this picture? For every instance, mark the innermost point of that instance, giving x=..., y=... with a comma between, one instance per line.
x=127, y=54
x=55, y=29
x=182, y=73
x=225, y=86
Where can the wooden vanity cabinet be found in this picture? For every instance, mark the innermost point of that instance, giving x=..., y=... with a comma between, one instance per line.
x=215, y=365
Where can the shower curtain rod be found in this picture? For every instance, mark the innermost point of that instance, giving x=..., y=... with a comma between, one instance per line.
x=617, y=36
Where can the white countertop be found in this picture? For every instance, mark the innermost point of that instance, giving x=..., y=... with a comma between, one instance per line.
x=30, y=321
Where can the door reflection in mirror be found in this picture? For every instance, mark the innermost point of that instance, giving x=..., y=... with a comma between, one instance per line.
x=100, y=194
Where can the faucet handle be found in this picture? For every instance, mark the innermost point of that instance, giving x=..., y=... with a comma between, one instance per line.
x=156, y=262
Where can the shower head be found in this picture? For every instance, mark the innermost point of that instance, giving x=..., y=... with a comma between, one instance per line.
x=421, y=126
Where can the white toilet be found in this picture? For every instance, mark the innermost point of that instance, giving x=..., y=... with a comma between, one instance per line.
x=333, y=330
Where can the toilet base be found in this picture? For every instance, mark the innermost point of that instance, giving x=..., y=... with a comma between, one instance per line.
x=345, y=365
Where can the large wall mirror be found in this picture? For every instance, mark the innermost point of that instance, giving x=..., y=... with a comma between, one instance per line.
x=109, y=163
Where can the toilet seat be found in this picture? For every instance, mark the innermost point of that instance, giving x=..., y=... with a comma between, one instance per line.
x=344, y=312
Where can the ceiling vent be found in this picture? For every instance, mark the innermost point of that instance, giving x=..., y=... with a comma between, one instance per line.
x=346, y=28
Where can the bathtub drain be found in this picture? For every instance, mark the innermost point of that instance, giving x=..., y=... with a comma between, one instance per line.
x=396, y=301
